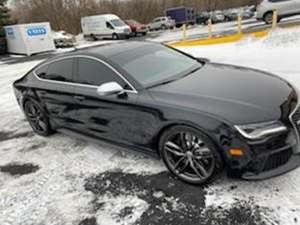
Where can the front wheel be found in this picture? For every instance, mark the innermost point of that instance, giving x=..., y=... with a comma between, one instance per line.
x=268, y=18
x=37, y=118
x=190, y=155
x=115, y=37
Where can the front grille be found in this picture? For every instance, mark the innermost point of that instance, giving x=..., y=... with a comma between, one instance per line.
x=277, y=159
x=126, y=30
x=273, y=143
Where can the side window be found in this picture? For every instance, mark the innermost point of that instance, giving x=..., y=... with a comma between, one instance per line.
x=108, y=25
x=96, y=73
x=61, y=70
x=42, y=72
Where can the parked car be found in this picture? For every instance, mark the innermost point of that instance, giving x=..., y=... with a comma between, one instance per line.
x=136, y=27
x=195, y=115
x=62, y=39
x=161, y=23
x=202, y=18
x=285, y=8
x=182, y=15
x=232, y=15
x=104, y=26
x=217, y=17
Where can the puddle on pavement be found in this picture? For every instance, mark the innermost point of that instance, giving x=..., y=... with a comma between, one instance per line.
x=19, y=169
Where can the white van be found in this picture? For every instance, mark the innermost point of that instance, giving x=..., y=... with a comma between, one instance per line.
x=104, y=26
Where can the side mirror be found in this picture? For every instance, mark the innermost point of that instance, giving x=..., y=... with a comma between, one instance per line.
x=109, y=88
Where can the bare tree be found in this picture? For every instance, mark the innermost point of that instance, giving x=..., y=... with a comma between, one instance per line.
x=66, y=14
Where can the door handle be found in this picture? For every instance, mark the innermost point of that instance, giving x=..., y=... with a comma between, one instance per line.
x=79, y=97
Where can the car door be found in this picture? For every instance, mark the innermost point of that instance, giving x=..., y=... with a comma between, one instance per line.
x=296, y=6
x=56, y=91
x=284, y=7
x=115, y=117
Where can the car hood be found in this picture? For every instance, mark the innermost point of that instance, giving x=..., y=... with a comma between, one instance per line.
x=236, y=94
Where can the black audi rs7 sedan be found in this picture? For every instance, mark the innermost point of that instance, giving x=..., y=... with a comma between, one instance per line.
x=197, y=116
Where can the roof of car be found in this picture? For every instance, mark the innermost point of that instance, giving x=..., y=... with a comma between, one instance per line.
x=107, y=51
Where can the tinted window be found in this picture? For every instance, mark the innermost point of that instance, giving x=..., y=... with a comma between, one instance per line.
x=41, y=72
x=155, y=64
x=96, y=73
x=61, y=70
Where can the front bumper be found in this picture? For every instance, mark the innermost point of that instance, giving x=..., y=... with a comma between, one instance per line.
x=274, y=164
x=265, y=158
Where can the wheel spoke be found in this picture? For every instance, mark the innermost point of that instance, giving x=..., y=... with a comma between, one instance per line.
x=195, y=169
x=179, y=162
x=200, y=167
x=183, y=141
x=173, y=148
x=42, y=125
x=184, y=167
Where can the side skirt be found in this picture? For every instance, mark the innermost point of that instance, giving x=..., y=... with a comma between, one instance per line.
x=102, y=142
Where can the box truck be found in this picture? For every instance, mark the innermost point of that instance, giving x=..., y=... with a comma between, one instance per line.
x=29, y=39
x=182, y=15
x=104, y=26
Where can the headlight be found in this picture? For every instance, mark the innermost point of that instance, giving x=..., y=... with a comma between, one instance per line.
x=261, y=130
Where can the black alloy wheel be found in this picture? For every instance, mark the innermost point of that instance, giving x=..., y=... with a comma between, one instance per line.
x=190, y=155
x=37, y=118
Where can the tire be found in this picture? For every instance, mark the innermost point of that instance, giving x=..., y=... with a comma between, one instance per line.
x=144, y=33
x=194, y=161
x=115, y=36
x=268, y=17
x=163, y=27
x=93, y=37
x=37, y=118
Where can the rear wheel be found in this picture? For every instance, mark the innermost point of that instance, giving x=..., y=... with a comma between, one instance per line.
x=190, y=155
x=163, y=27
x=37, y=118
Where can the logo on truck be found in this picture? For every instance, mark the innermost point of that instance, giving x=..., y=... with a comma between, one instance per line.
x=9, y=32
x=36, y=31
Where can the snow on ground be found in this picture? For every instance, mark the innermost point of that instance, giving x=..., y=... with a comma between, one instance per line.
x=62, y=180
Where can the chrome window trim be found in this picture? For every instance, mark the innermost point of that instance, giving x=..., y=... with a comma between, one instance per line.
x=84, y=85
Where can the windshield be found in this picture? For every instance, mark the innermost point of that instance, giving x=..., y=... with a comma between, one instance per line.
x=117, y=23
x=155, y=64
